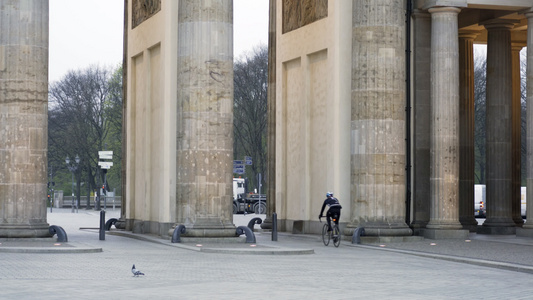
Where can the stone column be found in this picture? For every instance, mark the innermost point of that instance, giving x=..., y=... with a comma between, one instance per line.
x=498, y=126
x=422, y=109
x=271, y=142
x=466, y=130
x=205, y=118
x=378, y=118
x=516, y=175
x=529, y=129
x=444, y=149
x=23, y=118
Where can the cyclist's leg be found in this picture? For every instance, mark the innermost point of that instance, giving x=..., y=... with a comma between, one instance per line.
x=328, y=218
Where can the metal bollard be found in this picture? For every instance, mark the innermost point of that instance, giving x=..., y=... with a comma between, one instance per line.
x=274, y=227
x=357, y=233
x=102, y=225
x=61, y=234
x=254, y=221
x=250, y=236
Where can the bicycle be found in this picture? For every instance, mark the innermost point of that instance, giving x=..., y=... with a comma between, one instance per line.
x=334, y=234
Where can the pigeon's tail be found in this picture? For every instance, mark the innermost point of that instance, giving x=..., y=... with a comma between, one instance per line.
x=139, y=273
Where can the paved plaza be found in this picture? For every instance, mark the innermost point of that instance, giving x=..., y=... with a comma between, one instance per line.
x=294, y=267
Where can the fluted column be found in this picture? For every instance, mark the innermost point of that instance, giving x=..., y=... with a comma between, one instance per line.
x=444, y=148
x=516, y=175
x=271, y=142
x=23, y=118
x=529, y=129
x=205, y=118
x=466, y=130
x=422, y=108
x=499, y=129
x=378, y=118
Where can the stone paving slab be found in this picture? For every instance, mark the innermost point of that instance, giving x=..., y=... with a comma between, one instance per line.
x=392, y=271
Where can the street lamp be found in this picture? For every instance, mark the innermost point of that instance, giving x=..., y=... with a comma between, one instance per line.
x=73, y=168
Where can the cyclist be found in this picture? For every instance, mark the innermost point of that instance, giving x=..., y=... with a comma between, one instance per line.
x=334, y=209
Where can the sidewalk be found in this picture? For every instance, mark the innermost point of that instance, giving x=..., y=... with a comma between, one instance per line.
x=483, y=267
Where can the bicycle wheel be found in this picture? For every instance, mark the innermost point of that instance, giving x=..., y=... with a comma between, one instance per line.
x=336, y=236
x=325, y=234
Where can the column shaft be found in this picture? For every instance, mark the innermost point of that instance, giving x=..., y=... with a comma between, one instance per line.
x=422, y=112
x=466, y=131
x=529, y=129
x=205, y=118
x=23, y=118
x=444, y=175
x=378, y=118
x=516, y=175
x=499, y=129
x=271, y=142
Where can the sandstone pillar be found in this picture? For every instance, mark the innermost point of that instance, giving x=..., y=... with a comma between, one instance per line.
x=421, y=108
x=205, y=118
x=23, y=118
x=529, y=95
x=499, y=130
x=516, y=105
x=466, y=130
x=271, y=142
x=378, y=118
x=444, y=149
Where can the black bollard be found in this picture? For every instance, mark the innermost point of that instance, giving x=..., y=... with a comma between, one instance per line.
x=274, y=227
x=102, y=225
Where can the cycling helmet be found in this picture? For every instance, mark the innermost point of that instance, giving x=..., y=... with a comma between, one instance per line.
x=329, y=194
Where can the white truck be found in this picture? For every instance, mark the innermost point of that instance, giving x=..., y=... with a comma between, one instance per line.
x=480, y=204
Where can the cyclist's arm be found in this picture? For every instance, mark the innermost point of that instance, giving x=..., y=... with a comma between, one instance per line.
x=322, y=210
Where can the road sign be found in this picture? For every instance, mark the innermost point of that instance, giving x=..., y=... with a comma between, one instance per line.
x=238, y=169
x=248, y=160
x=105, y=154
x=105, y=164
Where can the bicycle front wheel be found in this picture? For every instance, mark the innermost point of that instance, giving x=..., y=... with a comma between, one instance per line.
x=336, y=236
x=325, y=234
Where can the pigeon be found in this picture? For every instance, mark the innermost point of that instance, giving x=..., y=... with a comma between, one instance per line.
x=135, y=271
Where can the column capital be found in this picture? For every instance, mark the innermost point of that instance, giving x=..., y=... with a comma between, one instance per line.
x=469, y=34
x=517, y=46
x=428, y=4
x=421, y=14
x=444, y=9
x=499, y=24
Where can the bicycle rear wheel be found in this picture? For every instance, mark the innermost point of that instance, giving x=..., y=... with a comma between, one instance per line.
x=336, y=236
x=325, y=234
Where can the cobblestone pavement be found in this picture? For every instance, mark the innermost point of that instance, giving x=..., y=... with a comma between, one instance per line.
x=418, y=270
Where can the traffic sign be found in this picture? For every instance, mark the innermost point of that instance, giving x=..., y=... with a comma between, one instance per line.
x=105, y=154
x=238, y=169
x=248, y=160
x=105, y=164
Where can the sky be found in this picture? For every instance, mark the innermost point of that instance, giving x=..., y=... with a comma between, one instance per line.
x=89, y=32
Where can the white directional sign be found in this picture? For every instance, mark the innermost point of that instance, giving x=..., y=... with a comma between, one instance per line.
x=105, y=164
x=105, y=154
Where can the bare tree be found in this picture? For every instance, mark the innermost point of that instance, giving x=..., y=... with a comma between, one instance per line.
x=80, y=120
x=250, y=110
x=480, y=88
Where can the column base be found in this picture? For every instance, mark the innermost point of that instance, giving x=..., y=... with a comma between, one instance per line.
x=443, y=234
x=524, y=232
x=469, y=223
x=24, y=230
x=496, y=230
x=380, y=229
x=208, y=228
x=267, y=223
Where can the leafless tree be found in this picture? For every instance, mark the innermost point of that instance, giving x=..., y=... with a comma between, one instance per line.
x=250, y=111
